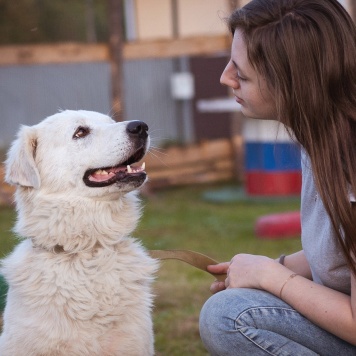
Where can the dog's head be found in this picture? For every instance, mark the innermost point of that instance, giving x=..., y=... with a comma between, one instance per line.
x=79, y=152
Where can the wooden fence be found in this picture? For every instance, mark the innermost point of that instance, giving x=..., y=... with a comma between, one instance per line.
x=209, y=161
x=79, y=52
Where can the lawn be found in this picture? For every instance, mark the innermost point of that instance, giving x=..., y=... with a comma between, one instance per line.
x=181, y=218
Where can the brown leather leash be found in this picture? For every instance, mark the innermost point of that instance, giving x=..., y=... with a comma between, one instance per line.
x=193, y=258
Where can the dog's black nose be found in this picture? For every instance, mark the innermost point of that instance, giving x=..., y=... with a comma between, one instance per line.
x=138, y=128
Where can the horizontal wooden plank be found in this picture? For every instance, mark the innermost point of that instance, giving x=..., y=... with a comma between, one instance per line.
x=80, y=52
x=225, y=165
x=54, y=53
x=178, y=47
x=206, y=177
x=181, y=156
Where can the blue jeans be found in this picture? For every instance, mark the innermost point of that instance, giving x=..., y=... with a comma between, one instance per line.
x=253, y=322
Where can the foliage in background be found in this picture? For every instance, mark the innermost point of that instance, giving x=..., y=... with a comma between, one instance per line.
x=181, y=219
x=46, y=21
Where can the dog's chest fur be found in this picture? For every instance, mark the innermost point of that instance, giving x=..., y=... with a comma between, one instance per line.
x=84, y=299
x=84, y=285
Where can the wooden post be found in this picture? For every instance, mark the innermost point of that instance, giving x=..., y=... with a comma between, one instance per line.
x=90, y=22
x=177, y=68
x=116, y=41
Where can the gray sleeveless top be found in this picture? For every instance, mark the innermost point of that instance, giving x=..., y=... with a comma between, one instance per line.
x=326, y=260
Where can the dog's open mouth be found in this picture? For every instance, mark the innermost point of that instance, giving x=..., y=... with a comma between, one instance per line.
x=122, y=173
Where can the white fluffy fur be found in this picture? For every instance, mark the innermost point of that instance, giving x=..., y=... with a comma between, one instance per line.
x=92, y=296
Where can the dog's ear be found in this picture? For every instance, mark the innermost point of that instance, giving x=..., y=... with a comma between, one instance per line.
x=20, y=163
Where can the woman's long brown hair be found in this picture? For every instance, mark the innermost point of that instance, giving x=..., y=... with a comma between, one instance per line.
x=306, y=51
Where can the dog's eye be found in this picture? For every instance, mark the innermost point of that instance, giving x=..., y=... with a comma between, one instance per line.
x=81, y=132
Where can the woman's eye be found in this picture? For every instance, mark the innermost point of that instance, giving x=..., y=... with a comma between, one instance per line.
x=81, y=132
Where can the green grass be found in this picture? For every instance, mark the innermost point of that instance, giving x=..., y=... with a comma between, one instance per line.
x=7, y=239
x=180, y=218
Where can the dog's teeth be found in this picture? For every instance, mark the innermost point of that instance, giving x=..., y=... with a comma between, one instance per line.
x=129, y=169
x=103, y=172
x=143, y=166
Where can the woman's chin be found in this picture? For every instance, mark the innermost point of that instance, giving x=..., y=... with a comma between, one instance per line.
x=256, y=116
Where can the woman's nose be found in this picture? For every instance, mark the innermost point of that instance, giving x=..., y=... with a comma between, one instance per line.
x=227, y=77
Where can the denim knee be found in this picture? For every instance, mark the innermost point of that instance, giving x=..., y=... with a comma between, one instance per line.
x=220, y=312
x=215, y=321
x=210, y=318
x=227, y=323
x=253, y=322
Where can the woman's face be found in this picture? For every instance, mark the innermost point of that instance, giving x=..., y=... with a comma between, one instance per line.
x=250, y=89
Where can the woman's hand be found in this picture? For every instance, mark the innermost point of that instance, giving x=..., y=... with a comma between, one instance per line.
x=220, y=268
x=244, y=271
x=248, y=271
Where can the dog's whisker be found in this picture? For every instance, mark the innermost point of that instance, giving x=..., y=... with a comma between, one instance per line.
x=159, y=150
x=159, y=158
x=155, y=130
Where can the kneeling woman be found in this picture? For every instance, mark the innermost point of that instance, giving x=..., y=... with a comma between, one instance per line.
x=295, y=61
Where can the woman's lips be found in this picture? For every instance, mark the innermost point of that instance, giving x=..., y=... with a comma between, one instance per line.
x=238, y=100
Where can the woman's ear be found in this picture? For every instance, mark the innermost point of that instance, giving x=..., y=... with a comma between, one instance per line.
x=20, y=164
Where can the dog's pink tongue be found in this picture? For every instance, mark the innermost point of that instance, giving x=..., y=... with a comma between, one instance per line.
x=101, y=176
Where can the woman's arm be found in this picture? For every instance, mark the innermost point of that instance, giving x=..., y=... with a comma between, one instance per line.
x=327, y=308
x=295, y=262
x=298, y=263
x=331, y=310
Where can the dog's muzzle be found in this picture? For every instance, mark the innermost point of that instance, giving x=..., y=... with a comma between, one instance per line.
x=123, y=172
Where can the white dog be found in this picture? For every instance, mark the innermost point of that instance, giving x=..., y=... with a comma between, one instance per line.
x=78, y=283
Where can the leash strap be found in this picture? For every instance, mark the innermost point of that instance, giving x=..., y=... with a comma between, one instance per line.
x=193, y=258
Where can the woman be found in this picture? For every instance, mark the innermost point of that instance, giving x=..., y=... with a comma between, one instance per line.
x=295, y=61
